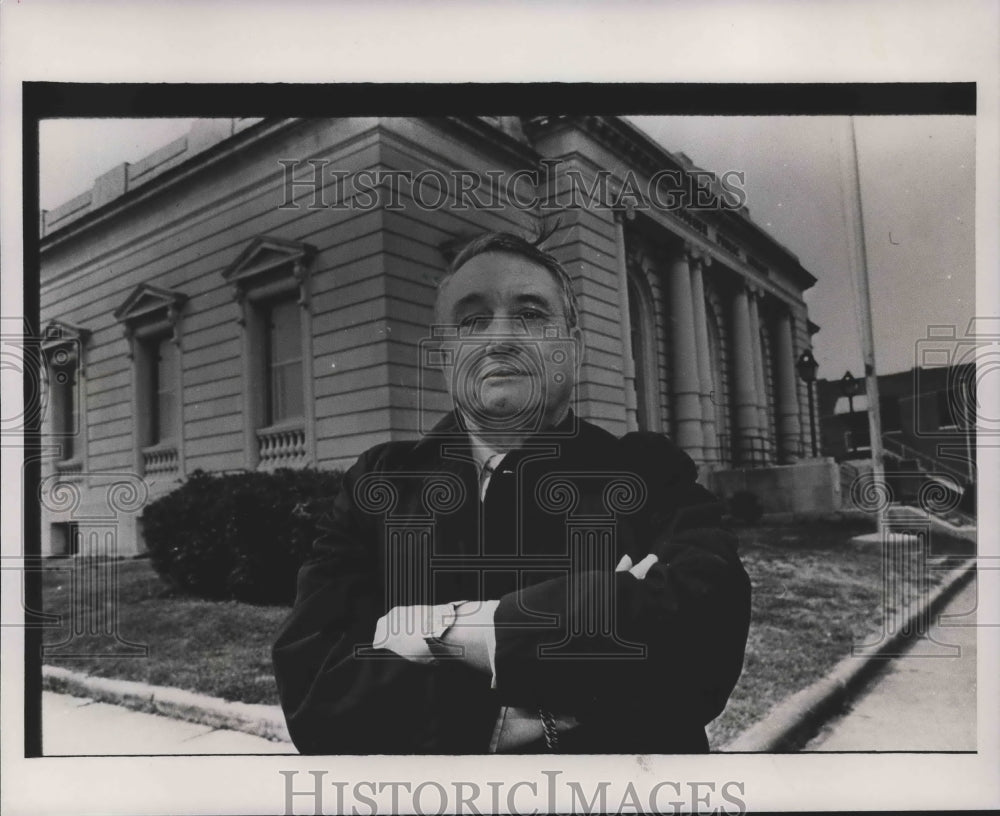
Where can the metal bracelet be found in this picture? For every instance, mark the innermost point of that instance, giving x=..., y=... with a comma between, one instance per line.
x=549, y=726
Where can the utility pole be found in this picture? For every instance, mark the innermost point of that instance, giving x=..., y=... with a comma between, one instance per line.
x=859, y=273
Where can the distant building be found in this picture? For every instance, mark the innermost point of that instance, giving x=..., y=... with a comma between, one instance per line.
x=254, y=295
x=928, y=417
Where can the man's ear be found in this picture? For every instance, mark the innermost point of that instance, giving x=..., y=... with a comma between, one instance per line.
x=581, y=345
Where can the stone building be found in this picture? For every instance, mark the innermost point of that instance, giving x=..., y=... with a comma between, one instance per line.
x=254, y=295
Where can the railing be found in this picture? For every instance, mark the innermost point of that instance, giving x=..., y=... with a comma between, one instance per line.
x=916, y=488
x=724, y=453
x=745, y=451
x=900, y=451
x=281, y=447
x=159, y=460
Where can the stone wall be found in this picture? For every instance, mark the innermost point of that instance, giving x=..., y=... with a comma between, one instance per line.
x=812, y=485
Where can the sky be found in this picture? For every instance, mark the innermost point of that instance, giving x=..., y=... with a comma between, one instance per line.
x=917, y=178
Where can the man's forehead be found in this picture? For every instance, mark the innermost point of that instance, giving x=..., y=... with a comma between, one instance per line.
x=494, y=275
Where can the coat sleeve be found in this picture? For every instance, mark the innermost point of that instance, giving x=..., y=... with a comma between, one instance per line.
x=690, y=615
x=335, y=700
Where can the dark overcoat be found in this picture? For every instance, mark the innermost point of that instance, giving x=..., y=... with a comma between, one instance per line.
x=643, y=665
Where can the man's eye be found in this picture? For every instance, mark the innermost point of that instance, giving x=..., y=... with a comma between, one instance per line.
x=533, y=315
x=471, y=321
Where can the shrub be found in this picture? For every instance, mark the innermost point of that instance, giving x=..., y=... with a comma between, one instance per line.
x=745, y=506
x=239, y=536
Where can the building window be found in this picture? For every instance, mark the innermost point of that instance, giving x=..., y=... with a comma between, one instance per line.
x=889, y=413
x=62, y=347
x=768, y=363
x=66, y=405
x=283, y=363
x=157, y=372
x=946, y=410
x=720, y=387
x=64, y=539
x=151, y=320
x=162, y=357
x=270, y=279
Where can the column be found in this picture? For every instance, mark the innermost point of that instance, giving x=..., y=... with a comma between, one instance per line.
x=684, y=360
x=789, y=431
x=628, y=363
x=744, y=376
x=705, y=381
x=760, y=397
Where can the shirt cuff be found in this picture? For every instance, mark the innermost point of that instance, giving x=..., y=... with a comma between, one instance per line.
x=491, y=640
x=483, y=616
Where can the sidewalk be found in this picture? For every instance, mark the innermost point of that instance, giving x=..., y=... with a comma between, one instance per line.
x=77, y=726
x=918, y=703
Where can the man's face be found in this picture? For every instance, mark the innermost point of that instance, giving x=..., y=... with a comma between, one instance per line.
x=515, y=360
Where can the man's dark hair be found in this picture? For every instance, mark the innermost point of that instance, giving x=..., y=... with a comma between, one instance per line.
x=511, y=244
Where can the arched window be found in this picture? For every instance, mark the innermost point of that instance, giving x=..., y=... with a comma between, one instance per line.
x=770, y=398
x=718, y=360
x=643, y=331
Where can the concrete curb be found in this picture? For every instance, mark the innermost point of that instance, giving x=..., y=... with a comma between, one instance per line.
x=260, y=720
x=792, y=723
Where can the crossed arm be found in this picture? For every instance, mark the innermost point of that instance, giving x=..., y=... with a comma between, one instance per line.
x=468, y=627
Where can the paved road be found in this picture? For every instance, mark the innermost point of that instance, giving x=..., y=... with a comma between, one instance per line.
x=920, y=703
x=77, y=726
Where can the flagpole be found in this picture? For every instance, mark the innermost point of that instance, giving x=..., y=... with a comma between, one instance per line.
x=859, y=274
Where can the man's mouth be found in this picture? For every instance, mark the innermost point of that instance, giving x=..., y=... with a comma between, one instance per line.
x=503, y=373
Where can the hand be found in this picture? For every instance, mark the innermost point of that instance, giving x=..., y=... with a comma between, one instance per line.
x=467, y=634
x=640, y=569
x=402, y=630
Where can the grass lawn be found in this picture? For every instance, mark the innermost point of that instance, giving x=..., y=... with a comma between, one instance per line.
x=815, y=594
x=220, y=648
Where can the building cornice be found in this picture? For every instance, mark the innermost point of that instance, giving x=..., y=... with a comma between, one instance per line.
x=167, y=180
x=476, y=129
x=647, y=156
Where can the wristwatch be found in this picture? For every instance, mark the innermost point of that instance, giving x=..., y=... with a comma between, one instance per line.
x=443, y=617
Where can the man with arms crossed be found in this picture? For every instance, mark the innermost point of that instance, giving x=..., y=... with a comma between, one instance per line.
x=578, y=600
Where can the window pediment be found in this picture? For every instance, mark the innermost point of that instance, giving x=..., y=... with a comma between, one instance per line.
x=267, y=254
x=150, y=308
x=58, y=334
x=147, y=302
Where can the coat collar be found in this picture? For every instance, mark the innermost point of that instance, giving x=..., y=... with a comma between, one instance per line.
x=579, y=443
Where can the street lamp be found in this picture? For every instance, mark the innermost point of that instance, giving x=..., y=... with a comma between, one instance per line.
x=806, y=365
x=850, y=386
